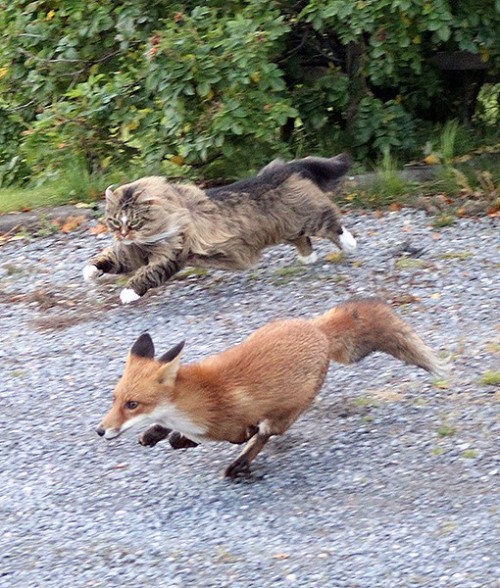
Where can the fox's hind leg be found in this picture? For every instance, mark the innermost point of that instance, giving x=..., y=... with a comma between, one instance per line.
x=241, y=465
x=266, y=429
x=305, y=249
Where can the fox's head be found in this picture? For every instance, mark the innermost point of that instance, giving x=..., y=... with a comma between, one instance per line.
x=144, y=391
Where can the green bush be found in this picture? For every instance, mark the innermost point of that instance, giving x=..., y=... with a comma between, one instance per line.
x=218, y=88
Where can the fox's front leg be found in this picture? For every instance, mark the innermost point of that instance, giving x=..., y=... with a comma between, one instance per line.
x=157, y=433
x=179, y=441
x=152, y=275
x=153, y=435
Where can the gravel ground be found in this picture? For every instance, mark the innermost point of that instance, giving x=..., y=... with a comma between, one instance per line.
x=390, y=480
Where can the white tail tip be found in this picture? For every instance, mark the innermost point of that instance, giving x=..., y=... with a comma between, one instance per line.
x=347, y=241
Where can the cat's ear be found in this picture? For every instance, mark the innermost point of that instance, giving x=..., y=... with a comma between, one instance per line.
x=143, y=347
x=172, y=360
x=110, y=195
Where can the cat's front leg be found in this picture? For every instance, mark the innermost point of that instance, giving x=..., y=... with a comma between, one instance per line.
x=154, y=274
x=117, y=259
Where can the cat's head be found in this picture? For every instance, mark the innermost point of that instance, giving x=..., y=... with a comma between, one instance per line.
x=143, y=212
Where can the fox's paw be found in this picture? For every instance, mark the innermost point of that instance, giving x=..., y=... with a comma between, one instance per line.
x=91, y=272
x=153, y=435
x=127, y=295
x=239, y=468
x=179, y=441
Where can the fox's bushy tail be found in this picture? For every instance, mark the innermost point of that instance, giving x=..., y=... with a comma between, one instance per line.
x=361, y=326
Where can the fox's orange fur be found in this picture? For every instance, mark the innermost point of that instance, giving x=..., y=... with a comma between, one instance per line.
x=257, y=388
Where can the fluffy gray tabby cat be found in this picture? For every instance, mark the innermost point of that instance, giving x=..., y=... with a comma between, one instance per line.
x=160, y=227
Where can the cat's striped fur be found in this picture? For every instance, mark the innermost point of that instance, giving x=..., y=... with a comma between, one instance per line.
x=160, y=227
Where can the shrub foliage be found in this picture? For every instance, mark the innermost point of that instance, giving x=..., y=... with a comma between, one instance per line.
x=223, y=86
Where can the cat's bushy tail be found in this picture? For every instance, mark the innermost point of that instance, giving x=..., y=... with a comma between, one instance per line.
x=325, y=172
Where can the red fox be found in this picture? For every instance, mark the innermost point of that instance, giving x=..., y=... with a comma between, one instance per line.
x=258, y=388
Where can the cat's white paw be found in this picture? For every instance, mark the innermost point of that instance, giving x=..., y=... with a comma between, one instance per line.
x=307, y=259
x=91, y=272
x=347, y=241
x=127, y=295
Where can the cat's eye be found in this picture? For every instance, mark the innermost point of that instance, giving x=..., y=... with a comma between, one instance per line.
x=113, y=223
x=135, y=223
x=131, y=405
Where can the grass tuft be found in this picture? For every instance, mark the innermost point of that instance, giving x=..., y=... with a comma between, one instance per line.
x=446, y=431
x=490, y=378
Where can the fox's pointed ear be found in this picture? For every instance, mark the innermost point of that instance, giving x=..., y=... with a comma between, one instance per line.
x=172, y=360
x=172, y=353
x=143, y=347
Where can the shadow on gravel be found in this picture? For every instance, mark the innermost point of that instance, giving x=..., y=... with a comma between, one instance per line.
x=59, y=310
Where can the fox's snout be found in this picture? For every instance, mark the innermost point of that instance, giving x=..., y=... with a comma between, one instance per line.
x=107, y=433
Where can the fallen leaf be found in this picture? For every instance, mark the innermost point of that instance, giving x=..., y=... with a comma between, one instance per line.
x=71, y=223
x=395, y=206
x=98, y=229
x=405, y=299
x=431, y=159
x=334, y=257
x=494, y=210
x=83, y=205
x=436, y=236
x=436, y=295
x=121, y=466
x=281, y=556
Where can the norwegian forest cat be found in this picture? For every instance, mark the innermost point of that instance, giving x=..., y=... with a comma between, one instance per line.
x=160, y=227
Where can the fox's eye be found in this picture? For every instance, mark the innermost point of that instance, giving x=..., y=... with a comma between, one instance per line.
x=131, y=404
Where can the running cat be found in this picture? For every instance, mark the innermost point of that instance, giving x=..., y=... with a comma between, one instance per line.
x=160, y=227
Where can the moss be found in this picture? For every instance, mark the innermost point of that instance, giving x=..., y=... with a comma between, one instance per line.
x=335, y=257
x=444, y=220
x=457, y=255
x=470, y=454
x=410, y=263
x=437, y=451
x=191, y=272
x=446, y=431
x=289, y=271
x=490, y=378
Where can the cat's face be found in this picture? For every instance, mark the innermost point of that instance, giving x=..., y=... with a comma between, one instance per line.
x=136, y=213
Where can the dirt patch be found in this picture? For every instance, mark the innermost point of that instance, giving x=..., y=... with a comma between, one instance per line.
x=59, y=322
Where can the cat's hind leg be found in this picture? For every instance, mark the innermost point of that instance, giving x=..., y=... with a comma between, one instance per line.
x=330, y=227
x=305, y=254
